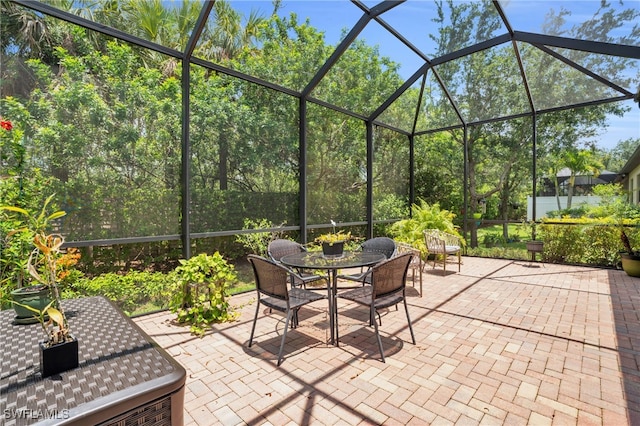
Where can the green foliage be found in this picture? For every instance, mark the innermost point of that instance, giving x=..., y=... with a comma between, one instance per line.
x=560, y=243
x=154, y=256
x=201, y=291
x=439, y=165
x=424, y=216
x=12, y=147
x=390, y=206
x=18, y=228
x=574, y=212
x=613, y=204
x=621, y=153
x=333, y=237
x=257, y=242
x=491, y=239
x=128, y=291
x=502, y=252
x=586, y=240
x=600, y=245
x=594, y=237
x=103, y=120
x=15, y=249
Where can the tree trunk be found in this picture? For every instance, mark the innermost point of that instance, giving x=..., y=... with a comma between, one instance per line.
x=505, y=217
x=556, y=185
x=572, y=181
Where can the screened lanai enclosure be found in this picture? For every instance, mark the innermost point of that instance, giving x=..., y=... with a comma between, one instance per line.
x=178, y=120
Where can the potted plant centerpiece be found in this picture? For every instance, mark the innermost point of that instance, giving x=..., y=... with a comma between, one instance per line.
x=630, y=258
x=18, y=245
x=59, y=352
x=625, y=216
x=333, y=243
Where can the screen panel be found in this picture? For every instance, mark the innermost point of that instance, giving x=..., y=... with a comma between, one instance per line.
x=244, y=154
x=336, y=167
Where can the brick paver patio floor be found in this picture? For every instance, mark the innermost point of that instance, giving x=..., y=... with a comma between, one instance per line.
x=501, y=342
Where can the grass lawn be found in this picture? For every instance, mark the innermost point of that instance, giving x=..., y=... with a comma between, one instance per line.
x=514, y=248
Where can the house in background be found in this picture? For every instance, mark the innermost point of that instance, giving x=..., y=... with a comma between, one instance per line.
x=630, y=176
x=547, y=201
x=583, y=184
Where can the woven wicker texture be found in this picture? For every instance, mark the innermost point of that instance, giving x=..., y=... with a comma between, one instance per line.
x=282, y=247
x=382, y=245
x=271, y=286
x=415, y=264
x=442, y=244
x=388, y=282
x=156, y=413
x=113, y=354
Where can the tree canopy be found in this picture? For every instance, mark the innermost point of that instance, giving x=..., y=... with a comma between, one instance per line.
x=101, y=117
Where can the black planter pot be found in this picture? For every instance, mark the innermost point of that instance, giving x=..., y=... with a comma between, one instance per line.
x=58, y=358
x=333, y=250
x=37, y=297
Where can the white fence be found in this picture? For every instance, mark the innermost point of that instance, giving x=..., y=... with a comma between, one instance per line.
x=547, y=204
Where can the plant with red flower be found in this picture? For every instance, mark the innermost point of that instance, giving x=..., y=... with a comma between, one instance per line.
x=6, y=124
x=12, y=149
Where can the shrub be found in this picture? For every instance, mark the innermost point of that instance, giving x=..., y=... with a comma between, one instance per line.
x=492, y=239
x=499, y=252
x=586, y=240
x=201, y=291
x=600, y=245
x=424, y=216
x=258, y=242
x=129, y=291
x=561, y=243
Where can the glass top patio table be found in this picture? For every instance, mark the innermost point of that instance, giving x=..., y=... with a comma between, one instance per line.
x=316, y=260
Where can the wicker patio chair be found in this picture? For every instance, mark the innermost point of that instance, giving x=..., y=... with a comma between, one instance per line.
x=416, y=262
x=299, y=278
x=388, y=283
x=273, y=292
x=383, y=245
x=441, y=244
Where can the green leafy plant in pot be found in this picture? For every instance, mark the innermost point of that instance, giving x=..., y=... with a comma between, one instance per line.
x=333, y=242
x=59, y=352
x=201, y=291
x=18, y=246
x=626, y=216
x=630, y=258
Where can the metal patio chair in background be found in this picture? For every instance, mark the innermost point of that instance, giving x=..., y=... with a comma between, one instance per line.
x=384, y=245
x=299, y=278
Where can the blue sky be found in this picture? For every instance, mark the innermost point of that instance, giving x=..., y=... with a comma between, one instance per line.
x=413, y=20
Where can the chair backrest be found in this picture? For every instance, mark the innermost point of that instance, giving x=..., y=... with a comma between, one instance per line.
x=433, y=241
x=408, y=248
x=390, y=276
x=281, y=247
x=382, y=245
x=271, y=278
